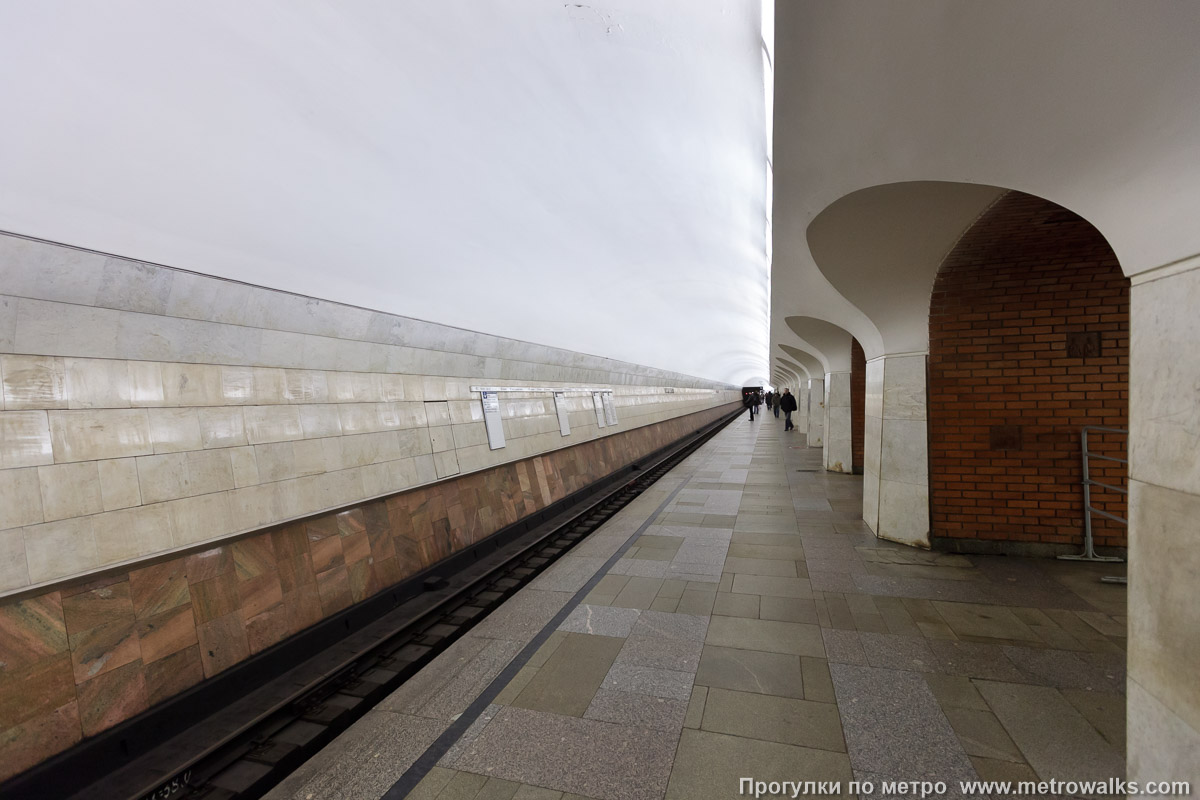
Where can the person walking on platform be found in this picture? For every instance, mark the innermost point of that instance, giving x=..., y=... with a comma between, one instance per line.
x=770, y=396
x=748, y=402
x=775, y=404
x=788, y=404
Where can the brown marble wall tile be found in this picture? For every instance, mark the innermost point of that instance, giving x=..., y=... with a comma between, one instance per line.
x=267, y=628
x=208, y=564
x=222, y=643
x=163, y=634
x=31, y=630
x=112, y=697
x=215, y=597
x=35, y=689
x=32, y=742
x=159, y=588
x=173, y=674
x=334, y=586
x=79, y=659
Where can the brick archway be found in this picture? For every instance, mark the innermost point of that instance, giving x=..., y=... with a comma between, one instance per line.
x=1028, y=342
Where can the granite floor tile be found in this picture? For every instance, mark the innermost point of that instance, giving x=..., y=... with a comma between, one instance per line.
x=1067, y=670
x=775, y=674
x=600, y=620
x=895, y=728
x=818, y=685
x=656, y=624
x=984, y=621
x=521, y=617
x=955, y=691
x=569, y=679
x=974, y=660
x=681, y=655
x=775, y=719
x=638, y=593
x=649, y=681
x=1055, y=739
x=1105, y=710
x=708, y=765
x=581, y=756
x=773, y=586
x=736, y=605
x=981, y=734
x=761, y=566
x=898, y=652
x=788, y=609
x=697, y=602
x=637, y=710
x=766, y=635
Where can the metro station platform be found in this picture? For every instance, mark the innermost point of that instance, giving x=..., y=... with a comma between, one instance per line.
x=740, y=621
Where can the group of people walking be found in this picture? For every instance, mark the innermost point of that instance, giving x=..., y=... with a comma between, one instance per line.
x=783, y=401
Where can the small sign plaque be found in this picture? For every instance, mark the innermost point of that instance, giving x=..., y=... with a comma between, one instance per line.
x=492, y=421
x=599, y=405
x=564, y=422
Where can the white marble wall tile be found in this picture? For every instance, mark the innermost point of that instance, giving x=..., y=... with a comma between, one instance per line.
x=446, y=463
x=209, y=471
x=320, y=352
x=282, y=349
x=245, y=466
x=99, y=434
x=360, y=418
x=276, y=461
x=14, y=573
x=191, y=384
x=8, y=323
x=475, y=433
x=132, y=532
x=163, y=477
x=1164, y=617
x=60, y=548
x=256, y=506
x=871, y=499
x=355, y=387
x=201, y=518
x=816, y=413
x=873, y=389
x=414, y=442
x=119, y=486
x=20, y=498
x=1162, y=746
x=904, y=454
x=174, y=430
x=904, y=387
x=221, y=427
x=70, y=491
x=306, y=386
x=25, y=439
x=97, y=383
x=133, y=286
x=237, y=386
x=403, y=415
x=904, y=513
x=145, y=384
x=272, y=424
x=49, y=272
x=441, y=438
x=33, y=382
x=320, y=420
x=309, y=457
x=1164, y=382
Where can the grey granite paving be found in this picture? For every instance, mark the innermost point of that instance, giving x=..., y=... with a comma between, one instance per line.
x=688, y=627
x=1056, y=740
x=600, y=620
x=895, y=728
x=583, y=756
x=638, y=710
x=651, y=681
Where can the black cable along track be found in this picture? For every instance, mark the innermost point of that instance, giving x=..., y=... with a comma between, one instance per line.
x=259, y=755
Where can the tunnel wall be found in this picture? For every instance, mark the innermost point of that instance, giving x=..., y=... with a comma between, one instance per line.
x=93, y=653
x=1029, y=341
x=147, y=409
x=192, y=469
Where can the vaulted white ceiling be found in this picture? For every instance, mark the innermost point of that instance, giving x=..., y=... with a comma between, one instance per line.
x=590, y=176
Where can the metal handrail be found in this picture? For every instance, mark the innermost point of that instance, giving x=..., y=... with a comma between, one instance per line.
x=1089, y=552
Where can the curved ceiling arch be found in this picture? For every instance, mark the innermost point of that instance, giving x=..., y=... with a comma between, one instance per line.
x=832, y=341
x=881, y=247
x=1096, y=115
x=812, y=366
x=797, y=371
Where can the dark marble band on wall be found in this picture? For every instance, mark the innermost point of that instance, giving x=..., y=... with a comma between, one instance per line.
x=84, y=656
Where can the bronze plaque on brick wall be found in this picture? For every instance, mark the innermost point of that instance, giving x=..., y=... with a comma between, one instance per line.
x=1085, y=344
x=1004, y=437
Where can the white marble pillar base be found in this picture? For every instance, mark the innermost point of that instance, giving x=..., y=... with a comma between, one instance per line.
x=896, y=451
x=816, y=413
x=838, y=447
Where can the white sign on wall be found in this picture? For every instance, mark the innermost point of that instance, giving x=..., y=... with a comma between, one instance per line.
x=610, y=410
x=491, y=420
x=599, y=404
x=560, y=405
